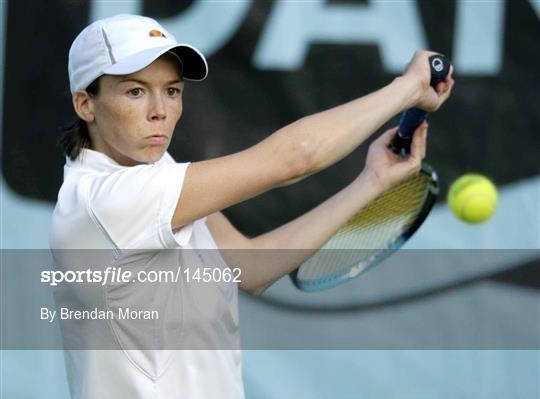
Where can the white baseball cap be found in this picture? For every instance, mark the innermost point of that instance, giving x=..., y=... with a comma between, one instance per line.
x=125, y=44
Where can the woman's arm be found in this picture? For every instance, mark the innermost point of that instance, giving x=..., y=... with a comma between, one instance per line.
x=268, y=257
x=303, y=147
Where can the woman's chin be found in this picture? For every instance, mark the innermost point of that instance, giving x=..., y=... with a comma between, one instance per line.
x=153, y=154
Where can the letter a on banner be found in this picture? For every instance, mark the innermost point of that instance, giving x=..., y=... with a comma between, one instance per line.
x=395, y=26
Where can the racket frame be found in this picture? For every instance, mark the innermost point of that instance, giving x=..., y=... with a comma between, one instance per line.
x=349, y=272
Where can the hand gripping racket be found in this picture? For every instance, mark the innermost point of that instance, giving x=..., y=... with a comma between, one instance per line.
x=385, y=224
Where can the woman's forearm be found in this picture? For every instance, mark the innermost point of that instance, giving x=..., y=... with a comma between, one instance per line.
x=327, y=137
x=293, y=243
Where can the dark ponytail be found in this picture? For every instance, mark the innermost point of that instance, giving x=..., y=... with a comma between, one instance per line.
x=75, y=135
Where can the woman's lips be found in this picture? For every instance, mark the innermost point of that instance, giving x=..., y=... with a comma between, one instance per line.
x=157, y=139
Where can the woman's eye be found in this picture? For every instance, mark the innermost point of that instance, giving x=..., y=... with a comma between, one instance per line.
x=136, y=92
x=173, y=91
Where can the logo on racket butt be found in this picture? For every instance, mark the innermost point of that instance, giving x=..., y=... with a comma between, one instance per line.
x=437, y=64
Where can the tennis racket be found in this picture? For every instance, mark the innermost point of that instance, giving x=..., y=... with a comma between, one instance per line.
x=383, y=226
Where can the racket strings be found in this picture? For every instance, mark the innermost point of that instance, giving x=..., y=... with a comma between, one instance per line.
x=376, y=229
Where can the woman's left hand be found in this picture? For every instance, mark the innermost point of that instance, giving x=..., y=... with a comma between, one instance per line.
x=386, y=169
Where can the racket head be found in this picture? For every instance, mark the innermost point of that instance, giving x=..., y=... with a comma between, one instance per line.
x=373, y=234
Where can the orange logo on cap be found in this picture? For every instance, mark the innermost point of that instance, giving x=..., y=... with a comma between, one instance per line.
x=156, y=33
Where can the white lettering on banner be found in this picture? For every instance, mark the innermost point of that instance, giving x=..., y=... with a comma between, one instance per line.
x=535, y=4
x=207, y=25
x=293, y=26
x=478, y=39
x=102, y=9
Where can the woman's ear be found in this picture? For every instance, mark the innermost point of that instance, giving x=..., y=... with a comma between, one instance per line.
x=83, y=103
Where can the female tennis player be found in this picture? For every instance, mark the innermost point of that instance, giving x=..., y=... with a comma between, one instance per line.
x=124, y=193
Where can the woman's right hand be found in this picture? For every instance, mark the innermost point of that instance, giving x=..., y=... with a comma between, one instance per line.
x=418, y=73
x=384, y=169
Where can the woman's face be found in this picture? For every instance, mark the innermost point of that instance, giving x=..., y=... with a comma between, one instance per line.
x=135, y=115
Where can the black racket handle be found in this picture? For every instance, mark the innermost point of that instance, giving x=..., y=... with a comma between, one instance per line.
x=413, y=117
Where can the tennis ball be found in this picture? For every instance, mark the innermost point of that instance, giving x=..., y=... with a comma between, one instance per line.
x=472, y=198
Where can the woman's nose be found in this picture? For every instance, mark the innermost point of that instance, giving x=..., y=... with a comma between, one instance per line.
x=158, y=110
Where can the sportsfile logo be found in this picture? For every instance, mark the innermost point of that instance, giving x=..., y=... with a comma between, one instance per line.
x=114, y=275
x=109, y=275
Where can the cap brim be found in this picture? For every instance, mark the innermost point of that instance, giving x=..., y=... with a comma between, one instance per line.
x=194, y=65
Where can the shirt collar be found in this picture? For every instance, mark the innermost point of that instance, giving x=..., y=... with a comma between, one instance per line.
x=98, y=161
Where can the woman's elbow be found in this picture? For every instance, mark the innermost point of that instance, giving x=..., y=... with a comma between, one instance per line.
x=299, y=161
